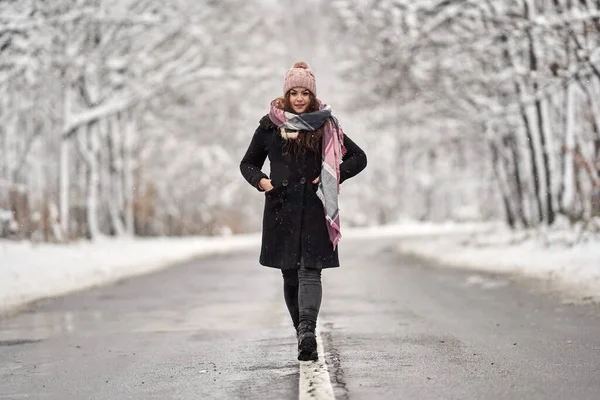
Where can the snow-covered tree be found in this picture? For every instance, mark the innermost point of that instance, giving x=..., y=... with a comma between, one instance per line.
x=92, y=90
x=521, y=76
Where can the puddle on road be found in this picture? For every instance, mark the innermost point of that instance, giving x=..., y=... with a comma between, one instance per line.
x=17, y=342
x=42, y=325
x=211, y=317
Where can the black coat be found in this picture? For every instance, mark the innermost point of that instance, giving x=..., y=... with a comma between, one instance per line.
x=294, y=219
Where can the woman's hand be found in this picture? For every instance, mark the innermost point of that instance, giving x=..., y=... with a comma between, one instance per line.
x=316, y=180
x=265, y=184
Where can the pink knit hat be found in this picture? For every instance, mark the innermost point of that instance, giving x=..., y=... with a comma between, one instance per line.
x=300, y=75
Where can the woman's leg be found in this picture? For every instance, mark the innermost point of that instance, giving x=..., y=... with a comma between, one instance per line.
x=309, y=300
x=310, y=293
x=290, y=294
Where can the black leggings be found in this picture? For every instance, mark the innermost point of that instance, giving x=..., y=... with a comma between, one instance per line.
x=302, y=292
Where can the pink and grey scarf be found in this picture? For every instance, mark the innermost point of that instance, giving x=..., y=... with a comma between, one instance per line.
x=332, y=153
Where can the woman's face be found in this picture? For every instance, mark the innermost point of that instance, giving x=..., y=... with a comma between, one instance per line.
x=299, y=99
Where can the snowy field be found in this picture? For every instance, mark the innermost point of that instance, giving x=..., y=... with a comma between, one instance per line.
x=29, y=272
x=561, y=260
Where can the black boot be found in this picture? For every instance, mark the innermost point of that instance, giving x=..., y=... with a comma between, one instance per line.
x=307, y=342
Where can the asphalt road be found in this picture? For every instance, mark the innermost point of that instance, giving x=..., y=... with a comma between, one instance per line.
x=216, y=328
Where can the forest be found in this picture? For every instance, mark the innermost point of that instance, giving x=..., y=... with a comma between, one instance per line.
x=130, y=117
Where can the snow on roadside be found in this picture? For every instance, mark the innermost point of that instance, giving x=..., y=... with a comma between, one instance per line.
x=568, y=262
x=30, y=272
x=409, y=228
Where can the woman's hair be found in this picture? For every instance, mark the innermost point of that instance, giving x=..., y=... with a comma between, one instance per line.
x=306, y=140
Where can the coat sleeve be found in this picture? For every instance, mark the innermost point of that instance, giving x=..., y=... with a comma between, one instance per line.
x=251, y=164
x=354, y=161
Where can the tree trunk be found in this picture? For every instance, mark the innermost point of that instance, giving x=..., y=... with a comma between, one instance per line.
x=19, y=206
x=529, y=136
x=568, y=187
x=520, y=201
x=502, y=184
x=544, y=139
x=129, y=131
x=88, y=145
x=64, y=168
x=595, y=201
x=533, y=162
x=540, y=114
x=4, y=171
x=113, y=189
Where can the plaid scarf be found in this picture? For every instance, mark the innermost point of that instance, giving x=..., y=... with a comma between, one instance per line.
x=332, y=153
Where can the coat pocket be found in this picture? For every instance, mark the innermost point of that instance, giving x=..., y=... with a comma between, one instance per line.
x=275, y=198
x=272, y=192
x=274, y=208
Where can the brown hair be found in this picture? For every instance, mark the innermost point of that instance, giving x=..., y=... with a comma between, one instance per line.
x=306, y=140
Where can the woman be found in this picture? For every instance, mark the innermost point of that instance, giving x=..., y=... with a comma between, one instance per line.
x=310, y=156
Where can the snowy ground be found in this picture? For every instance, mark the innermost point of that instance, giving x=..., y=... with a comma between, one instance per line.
x=30, y=272
x=563, y=260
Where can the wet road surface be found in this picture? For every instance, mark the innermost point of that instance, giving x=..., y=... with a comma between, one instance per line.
x=216, y=328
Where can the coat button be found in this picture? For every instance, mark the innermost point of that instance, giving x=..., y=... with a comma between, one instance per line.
x=281, y=201
x=285, y=182
x=303, y=180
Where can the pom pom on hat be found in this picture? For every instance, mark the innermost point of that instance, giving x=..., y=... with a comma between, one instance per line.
x=300, y=75
x=300, y=64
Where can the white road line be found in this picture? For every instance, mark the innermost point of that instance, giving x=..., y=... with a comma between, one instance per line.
x=315, y=382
